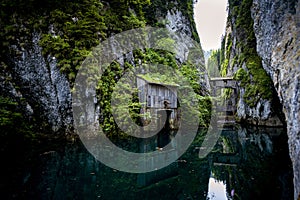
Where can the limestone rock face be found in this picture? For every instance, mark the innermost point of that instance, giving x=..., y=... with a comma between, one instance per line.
x=45, y=91
x=40, y=84
x=235, y=50
x=180, y=24
x=277, y=29
x=261, y=114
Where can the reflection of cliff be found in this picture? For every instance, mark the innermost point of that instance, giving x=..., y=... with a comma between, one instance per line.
x=251, y=168
x=261, y=50
x=276, y=27
x=250, y=161
x=72, y=172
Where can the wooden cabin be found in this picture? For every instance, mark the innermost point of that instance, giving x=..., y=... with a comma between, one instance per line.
x=156, y=96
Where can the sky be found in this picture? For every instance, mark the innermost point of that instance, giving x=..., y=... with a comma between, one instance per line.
x=216, y=189
x=210, y=18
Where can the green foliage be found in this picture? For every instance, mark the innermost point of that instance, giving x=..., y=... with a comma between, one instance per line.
x=226, y=93
x=135, y=107
x=149, y=56
x=214, y=64
x=242, y=76
x=224, y=54
x=158, y=9
x=12, y=120
x=125, y=15
x=83, y=28
x=262, y=87
x=77, y=26
x=159, y=79
x=228, y=46
x=104, y=90
x=204, y=104
x=166, y=43
x=70, y=29
x=256, y=81
x=7, y=112
x=187, y=7
x=224, y=67
x=152, y=57
x=190, y=71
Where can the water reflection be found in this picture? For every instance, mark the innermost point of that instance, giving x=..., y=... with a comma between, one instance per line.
x=246, y=163
x=253, y=163
x=216, y=190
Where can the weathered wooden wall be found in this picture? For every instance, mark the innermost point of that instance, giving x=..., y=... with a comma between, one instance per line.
x=152, y=97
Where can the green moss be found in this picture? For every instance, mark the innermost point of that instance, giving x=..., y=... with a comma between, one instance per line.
x=225, y=52
x=228, y=46
x=261, y=79
x=214, y=64
x=158, y=79
x=222, y=50
x=242, y=76
x=158, y=9
x=256, y=81
x=78, y=26
x=224, y=67
x=147, y=56
x=10, y=116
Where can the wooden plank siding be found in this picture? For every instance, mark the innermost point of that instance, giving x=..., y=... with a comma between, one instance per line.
x=152, y=96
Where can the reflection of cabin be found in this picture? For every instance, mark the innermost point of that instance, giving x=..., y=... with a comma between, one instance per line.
x=155, y=96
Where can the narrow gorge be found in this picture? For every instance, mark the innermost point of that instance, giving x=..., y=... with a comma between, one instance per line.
x=43, y=45
x=260, y=49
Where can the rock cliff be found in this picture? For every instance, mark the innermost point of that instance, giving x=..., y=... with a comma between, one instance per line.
x=38, y=82
x=277, y=29
x=258, y=103
x=261, y=50
x=43, y=50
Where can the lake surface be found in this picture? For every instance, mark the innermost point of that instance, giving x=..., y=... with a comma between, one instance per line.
x=246, y=163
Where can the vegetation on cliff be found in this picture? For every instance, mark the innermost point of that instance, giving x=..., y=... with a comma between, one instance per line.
x=68, y=30
x=214, y=63
x=242, y=54
x=148, y=56
x=259, y=83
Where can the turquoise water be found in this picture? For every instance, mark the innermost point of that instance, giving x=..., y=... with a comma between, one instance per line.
x=247, y=163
